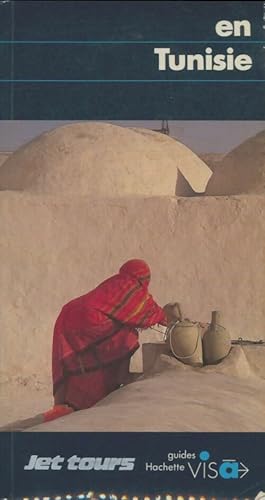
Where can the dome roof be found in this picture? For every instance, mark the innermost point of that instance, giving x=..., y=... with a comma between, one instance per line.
x=242, y=170
x=100, y=159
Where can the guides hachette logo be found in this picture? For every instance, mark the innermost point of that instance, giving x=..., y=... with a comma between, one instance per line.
x=228, y=468
x=200, y=465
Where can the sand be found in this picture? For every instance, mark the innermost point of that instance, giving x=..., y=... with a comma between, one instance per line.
x=170, y=396
x=242, y=170
x=227, y=398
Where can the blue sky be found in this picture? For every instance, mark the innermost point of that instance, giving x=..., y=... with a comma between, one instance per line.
x=200, y=136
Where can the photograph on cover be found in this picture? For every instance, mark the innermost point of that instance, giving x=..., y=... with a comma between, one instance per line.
x=133, y=287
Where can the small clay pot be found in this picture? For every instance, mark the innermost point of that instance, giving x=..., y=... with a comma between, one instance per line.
x=216, y=341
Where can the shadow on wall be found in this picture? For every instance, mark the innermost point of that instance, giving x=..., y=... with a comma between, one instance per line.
x=182, y=186
x=242, y=171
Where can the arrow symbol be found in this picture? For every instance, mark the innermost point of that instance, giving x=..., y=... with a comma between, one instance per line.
x=244, y=469
x=260, y=496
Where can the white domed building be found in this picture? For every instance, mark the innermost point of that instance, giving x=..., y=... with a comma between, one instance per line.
x=100, y=159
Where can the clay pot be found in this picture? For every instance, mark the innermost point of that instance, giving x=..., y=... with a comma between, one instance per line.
x=185, y=343
x=216, y=341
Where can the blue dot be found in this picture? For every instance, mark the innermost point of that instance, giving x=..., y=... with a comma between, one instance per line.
x=204, y=455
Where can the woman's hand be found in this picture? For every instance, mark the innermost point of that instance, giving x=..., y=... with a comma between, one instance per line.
x=173, y=312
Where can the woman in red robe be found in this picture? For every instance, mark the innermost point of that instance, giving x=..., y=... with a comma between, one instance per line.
x=96, y=334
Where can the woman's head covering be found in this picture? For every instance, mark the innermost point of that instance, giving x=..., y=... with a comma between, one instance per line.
x=137, y=269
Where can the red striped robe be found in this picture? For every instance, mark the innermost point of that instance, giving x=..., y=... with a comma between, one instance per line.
x=95, y=334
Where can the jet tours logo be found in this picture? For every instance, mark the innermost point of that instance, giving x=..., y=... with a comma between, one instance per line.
x=75, y=462
x=207, y=468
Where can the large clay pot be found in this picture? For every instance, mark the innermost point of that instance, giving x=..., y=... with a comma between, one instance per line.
x=216, y=341
x=185, y=343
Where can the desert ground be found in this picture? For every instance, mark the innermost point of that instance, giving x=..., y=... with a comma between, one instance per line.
x=76, y=203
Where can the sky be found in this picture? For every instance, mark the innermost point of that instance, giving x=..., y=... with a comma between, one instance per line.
x=200, y=136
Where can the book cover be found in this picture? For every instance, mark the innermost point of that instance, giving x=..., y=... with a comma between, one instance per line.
x=132, y=167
